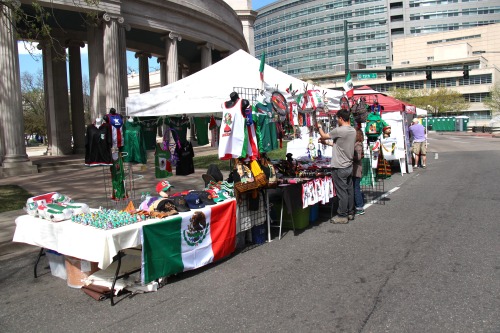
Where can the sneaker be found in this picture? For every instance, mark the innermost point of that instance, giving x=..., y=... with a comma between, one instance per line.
x=360, y=212
x=340, y=220
x=423, y=166
x=415, y=166
x=350, y=217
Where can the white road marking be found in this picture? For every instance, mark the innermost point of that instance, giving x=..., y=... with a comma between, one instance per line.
x=386, y=194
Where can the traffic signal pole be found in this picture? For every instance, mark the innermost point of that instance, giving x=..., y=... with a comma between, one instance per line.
x=465, y=70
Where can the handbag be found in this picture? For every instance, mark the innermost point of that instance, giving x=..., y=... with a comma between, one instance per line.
x=258, y=174
x=244, y=180
x=270, y=172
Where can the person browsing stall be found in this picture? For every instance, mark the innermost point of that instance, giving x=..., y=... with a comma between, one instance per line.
x=419, y=147
x=343, y=138
x=357, y=172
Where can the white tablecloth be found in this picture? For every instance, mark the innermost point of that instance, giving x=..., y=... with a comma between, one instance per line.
x=76, y=240
x=81, y=241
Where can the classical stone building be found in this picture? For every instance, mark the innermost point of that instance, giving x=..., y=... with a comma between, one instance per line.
x=185, y=36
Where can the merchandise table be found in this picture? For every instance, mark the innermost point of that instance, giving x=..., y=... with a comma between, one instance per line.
x=81, y=241
x=302, y=193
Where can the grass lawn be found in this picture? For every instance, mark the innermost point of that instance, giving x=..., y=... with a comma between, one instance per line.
x=202, y=162
x=12, y=197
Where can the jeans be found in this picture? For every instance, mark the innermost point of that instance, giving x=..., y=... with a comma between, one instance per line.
x=358, y=195
x=342, y=180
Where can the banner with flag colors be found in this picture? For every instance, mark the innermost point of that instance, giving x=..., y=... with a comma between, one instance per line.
x=188, y=241
x=262, y=65
x=348, y=86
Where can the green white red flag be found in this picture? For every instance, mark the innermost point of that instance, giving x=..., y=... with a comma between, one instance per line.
x=188, y=240
x=262, y=65
x=348, y=86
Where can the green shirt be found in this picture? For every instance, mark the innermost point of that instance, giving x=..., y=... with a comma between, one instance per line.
x=201, y=125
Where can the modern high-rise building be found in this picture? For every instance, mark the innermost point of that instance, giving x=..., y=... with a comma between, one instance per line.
x=306, y=39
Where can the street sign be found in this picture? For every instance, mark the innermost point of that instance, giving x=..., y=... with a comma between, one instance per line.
x=367, y=76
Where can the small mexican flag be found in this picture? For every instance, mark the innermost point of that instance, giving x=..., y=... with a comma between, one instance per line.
x=348, y=86
x=262, y=65
x=188, y=241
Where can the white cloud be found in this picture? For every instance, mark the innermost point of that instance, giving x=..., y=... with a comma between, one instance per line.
x=25, y=47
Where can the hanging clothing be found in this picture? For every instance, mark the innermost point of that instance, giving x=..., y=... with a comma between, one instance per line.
x=201, y=125
x=212, y=126
x=267, y=139
x=180, y=125
x=185, y=164
x=232, y=139
x=149, y=130
x=116, y=125
x=98, y=145
x=252, y=147
x=163, y=166
x=135, y=145
x=118, y=179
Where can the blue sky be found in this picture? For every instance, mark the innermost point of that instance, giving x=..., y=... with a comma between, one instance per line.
x=33, y=63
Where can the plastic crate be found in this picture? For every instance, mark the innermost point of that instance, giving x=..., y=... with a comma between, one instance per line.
x=300, y=216
x=314, y=213
x=259, y=234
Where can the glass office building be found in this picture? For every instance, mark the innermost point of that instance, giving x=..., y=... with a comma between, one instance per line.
x=305, y=38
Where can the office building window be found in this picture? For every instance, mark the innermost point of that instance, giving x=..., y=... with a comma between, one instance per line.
x=475, y=79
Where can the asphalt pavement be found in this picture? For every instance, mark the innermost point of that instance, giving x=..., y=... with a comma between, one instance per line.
x=422, y=259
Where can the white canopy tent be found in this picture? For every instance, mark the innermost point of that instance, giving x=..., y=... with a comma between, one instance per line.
x=421, y=112
x=205, y=91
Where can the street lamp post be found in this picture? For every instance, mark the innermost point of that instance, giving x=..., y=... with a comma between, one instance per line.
x=346, y=51
x=346, y=47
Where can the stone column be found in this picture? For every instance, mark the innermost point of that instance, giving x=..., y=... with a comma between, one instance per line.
x=206, y=54
x=112, y=64
x=143, y=71
x=123, y=57
x=76, y=94
x=172, y=59
x=184, y=72
x=96, y=72
x=56, y=99
x=163, y=70
x=14, y=159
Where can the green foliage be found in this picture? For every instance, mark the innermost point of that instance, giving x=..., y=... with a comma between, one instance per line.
x=33, y=103
x=437, y=101
x=12, y=197
x=31, y=21
x=493, y=101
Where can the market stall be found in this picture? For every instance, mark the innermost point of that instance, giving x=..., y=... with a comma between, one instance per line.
x=256, y=116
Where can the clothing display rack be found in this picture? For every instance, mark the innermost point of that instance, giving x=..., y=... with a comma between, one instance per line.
x=128, y=187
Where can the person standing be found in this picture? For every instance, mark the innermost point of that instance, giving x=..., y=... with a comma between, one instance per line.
x=343, y=138
x=419, y=146
x=357, y=172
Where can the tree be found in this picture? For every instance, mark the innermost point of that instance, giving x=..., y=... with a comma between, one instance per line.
x=33, y=103
x=33, y=21
x=439, y=101
x=493, y=101
x=86, y=99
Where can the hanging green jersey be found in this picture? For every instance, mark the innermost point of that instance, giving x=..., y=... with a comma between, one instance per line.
x=135, y=145
x=201, y=126
x=267, y=137
x=163, y=166
x=118, y=179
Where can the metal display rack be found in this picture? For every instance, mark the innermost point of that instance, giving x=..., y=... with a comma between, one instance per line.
x=128, y=185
